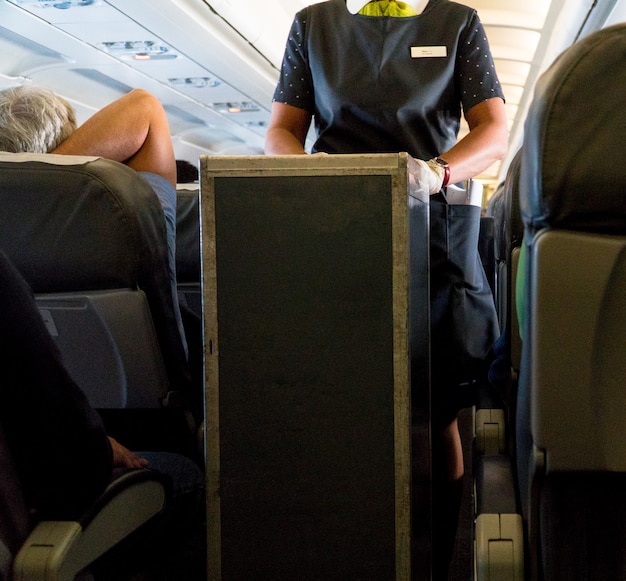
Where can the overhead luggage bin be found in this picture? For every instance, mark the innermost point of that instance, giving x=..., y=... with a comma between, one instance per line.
x=315, y=277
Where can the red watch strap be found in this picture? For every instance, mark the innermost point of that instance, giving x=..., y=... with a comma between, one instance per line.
x=446, y=175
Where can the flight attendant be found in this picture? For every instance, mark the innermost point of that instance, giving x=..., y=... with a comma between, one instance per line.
x=386, y=77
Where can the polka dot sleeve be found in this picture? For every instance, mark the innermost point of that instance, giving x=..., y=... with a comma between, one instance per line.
x=477, y=75
x=295, y=86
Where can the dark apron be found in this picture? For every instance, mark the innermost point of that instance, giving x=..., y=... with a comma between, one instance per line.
x=464, y=323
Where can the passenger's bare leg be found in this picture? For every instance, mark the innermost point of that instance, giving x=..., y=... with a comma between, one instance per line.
x=133, y=130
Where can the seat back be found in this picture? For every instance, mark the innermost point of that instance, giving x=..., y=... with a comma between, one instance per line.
x=486, y=250
x=513, y=235
x=89, y=237
x=571, y=439
x=495, y=210
x=188, y=269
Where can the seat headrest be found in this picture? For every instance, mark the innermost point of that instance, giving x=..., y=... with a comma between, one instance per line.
x=514, y=226
x=188, y=235
x=574, y=156
x=504, y=207
x=102, y=223
x=495, y=209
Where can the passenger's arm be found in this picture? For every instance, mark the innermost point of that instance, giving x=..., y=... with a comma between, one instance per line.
x=485, y=144
x=133, y=130
x=287, y=130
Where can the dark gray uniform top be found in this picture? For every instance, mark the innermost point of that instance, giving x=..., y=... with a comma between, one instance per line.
x=371, y=84
x=387, y=84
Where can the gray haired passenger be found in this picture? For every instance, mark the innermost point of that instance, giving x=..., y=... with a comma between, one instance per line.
x=133, y=130
x=34, y=119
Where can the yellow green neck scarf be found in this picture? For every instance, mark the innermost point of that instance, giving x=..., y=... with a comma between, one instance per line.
x=387, y=8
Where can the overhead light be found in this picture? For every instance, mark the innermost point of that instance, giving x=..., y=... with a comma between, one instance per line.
x=195, y=82
x=59, y=5
x=233, y=107
x=141, y=50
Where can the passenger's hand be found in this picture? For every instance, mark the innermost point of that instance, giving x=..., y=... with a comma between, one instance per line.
x=124, y=458
x=425, y=177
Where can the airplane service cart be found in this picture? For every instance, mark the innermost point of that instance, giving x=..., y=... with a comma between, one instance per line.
x=315, y=274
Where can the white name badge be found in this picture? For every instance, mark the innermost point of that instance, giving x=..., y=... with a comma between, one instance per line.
x=420, y=52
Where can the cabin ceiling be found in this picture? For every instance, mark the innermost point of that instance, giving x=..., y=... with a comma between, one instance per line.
x=214, y=63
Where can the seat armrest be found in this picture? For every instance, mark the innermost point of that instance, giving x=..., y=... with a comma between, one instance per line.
x=59, y=550
x=499, y=531
x=489, y=431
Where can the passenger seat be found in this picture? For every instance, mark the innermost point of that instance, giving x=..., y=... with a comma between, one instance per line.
x=188, y=269
x=570, y=430
x=571, y=434
x=498, y=524
x=88, y=235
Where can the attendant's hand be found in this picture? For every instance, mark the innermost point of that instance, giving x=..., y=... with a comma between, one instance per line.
x=124, y=458
x=426, y=177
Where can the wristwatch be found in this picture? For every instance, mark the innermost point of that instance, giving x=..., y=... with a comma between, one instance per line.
x=446, y=170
